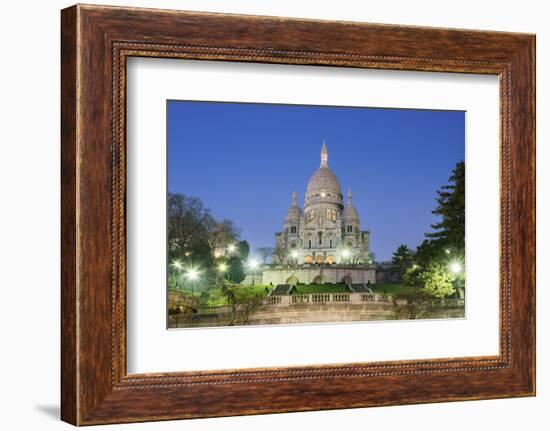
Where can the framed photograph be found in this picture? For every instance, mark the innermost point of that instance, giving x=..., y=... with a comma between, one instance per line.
x=324, y=214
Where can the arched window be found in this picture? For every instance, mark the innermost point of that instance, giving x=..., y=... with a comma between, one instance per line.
x=320, y=236
x=310, y=243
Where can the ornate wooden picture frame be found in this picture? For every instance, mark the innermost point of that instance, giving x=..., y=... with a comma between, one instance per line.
x=96, y=41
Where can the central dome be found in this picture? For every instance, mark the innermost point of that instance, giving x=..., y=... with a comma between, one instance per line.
x=323, y=180
x=323, y=186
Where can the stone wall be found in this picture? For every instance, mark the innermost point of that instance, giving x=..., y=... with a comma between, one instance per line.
x=334, y=274
x=304, y=313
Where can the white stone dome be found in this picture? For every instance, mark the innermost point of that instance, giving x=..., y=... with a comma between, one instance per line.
x=293, y=213
x=323, y=180
x=350, y=213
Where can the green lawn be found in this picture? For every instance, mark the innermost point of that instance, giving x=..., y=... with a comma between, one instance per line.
x=320, y=288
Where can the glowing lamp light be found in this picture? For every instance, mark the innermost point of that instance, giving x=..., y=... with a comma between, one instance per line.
x=447, y=251
x=177, y=264
x=192, y=274
x=294, y=254
x=222, y=267
x=231, y=248
x=456, y=267
x=345, y=253
x=252, y=263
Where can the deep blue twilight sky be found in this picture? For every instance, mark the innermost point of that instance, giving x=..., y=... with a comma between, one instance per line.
x=245, y=160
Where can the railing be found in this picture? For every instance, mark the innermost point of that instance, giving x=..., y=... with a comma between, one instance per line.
x=299, y=298
x=317, y=298
x=211, y=311
x=451, y=302
x=320, y=297
x=376, y=297
x=272, y=300
x=340, y=297
x=368, y=297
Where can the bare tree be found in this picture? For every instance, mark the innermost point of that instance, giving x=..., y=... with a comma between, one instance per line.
x=186, y=219
x=281, y=253
x=265, y=253
x=220, y=234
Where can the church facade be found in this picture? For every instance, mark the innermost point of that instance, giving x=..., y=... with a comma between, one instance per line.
x=323, y=243
x=326, y=231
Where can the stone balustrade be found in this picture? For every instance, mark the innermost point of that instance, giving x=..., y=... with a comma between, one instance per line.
x=315, y=298
x=327, y=298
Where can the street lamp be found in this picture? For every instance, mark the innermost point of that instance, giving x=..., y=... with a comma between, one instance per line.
x=231, y=248
x=192, y=275
x=253, y=265
x=345, y=254
x=178, y=266
x=294, y=254
x=222, y=267
x=455, y=267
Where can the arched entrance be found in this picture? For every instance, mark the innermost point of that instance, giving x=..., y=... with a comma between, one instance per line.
x=319, y=259
x=320, y=279
x=292, y=280
x=330, y=260
x=308, y=259
x=346, y=279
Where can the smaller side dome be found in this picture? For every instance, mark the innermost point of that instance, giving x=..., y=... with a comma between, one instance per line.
x=294, y=212
x=350, y=213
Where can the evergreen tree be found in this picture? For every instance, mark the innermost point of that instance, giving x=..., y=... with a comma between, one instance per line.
x=236, y=272
x=401, y=260
x=450, y=231
x=243, y=248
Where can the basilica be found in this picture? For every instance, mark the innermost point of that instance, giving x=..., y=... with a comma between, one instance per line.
x=326, y=232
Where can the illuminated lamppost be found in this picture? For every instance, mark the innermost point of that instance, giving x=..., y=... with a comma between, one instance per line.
x=192, y=275
x=231, y=249
x=345, y=255
x=222, y=269
x=294, y=256
x=252, y=265
x=455, y=268
x=178, y=266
